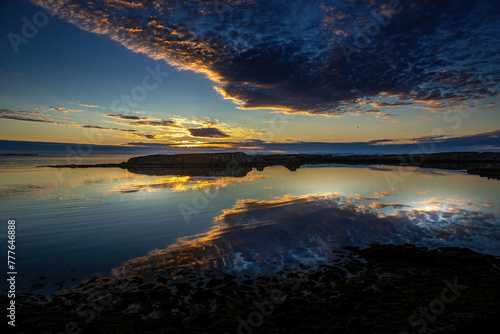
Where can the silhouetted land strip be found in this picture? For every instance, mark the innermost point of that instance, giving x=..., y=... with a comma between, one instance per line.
x=379, y=289
x=19, y=154
x=489, y=173
x=239, y=163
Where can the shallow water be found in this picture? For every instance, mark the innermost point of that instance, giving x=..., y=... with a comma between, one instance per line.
x=74, y=223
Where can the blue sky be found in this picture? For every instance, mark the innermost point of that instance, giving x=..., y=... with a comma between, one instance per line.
x=252, y=75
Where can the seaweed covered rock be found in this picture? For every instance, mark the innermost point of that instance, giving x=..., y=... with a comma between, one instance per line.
x=379, y=289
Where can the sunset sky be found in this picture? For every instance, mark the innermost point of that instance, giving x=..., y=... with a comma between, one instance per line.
x=258, y=76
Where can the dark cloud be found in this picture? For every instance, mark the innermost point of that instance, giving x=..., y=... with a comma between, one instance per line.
x=378, y=205
x=480, y=141
x=147, y=136
x=142, y=144
x=96, y=127
x=125, y=117
x=38, y=117
x=208, y=133
x=162, y=123
x=26, y=116
x=143, y=121
x=318, y=57
x=382, y=104
x=26, y=119
x=487, y=141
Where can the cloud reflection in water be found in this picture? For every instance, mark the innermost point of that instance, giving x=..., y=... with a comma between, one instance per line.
x=257, y=235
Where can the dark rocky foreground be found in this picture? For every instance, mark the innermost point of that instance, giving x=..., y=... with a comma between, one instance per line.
x=379, y=289
x=239, y=163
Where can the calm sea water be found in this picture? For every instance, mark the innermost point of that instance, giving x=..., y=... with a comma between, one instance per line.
x=74, y=223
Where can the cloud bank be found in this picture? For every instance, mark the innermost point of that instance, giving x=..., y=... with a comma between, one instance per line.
x=311, y=56
x=484, y=142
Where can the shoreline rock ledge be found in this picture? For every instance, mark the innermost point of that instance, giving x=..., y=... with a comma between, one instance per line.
x=191, y=159
x=485, y=164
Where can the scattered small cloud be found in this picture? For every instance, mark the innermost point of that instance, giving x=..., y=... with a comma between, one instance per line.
x=382, y=104
x=26, y=116
x=89, y=105
x=126, y=117
x=56, y=108
x=161, y=123
x=147, y=136
x=208, y=133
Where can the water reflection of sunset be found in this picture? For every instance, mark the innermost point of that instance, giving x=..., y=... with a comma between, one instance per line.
x=256, y=235
x=246, y=136
x=180, y=183
x=248, y=219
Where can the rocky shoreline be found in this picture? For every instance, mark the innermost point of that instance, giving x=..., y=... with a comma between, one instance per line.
x=379, y=289
x=485, y=164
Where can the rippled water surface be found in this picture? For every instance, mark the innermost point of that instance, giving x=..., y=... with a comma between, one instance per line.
x=74, y=223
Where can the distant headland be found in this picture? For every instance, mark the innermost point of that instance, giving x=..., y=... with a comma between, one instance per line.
x=239, y=163
x=18, y=154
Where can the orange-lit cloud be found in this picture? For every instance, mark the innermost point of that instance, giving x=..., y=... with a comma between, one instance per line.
x=299, y=64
